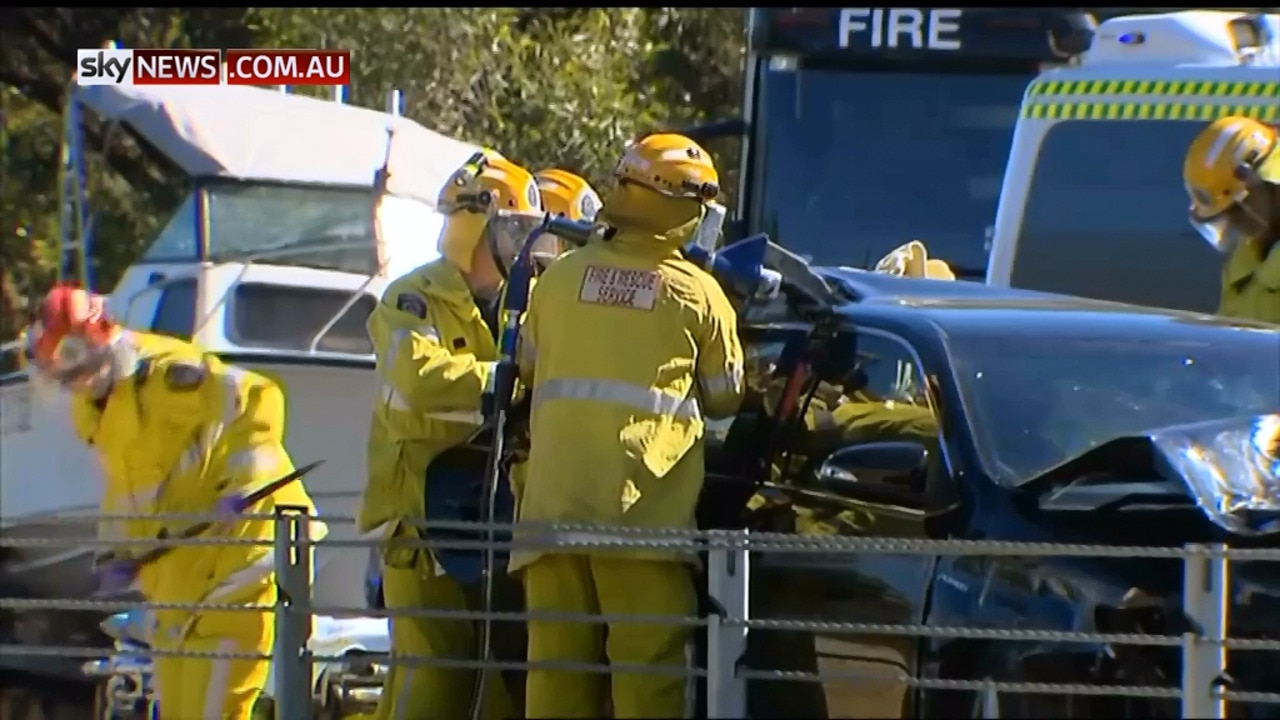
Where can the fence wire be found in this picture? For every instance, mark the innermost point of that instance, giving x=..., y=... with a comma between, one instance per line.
x=1190, y=659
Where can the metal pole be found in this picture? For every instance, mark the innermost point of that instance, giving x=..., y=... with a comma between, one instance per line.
x=395, y=102
x=304, y=555
x=293, y=624
x=728, y=579
x=1205, y=597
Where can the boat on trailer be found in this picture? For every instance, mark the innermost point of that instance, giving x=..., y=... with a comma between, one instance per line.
x=301, y=210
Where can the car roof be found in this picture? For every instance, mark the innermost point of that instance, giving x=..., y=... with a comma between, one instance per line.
x=940, y=299
x=874, y=287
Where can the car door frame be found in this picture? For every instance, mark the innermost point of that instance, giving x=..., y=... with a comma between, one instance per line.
x=908, y=337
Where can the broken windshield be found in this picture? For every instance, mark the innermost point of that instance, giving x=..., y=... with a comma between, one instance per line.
x=856, y=163
x=319, y=227
x=1037, y=401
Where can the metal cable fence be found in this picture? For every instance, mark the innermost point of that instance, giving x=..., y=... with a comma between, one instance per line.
x=736, y=615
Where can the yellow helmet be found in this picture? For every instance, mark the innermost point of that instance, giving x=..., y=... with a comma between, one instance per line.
x=1225, y=164
x=912, y=260
x=489, y=199
x=671, y=165
x=564, y=193
x=488, y=181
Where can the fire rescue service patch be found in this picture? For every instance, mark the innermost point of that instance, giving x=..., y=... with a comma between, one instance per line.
x=635, y=289
x=185, y=376
x=412, y=304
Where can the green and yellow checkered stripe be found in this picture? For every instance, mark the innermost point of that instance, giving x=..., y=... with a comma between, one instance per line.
x=1151, y=100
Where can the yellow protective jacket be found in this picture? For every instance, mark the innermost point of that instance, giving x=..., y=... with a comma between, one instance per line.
x=1251, y=284
x=435, y=360
x=183, y=431
x=627, y=348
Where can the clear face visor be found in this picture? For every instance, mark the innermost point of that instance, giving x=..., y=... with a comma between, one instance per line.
x=896, y=262
x=707, y=234
x=506, y=233
x=1243, y=221
x=71, y=362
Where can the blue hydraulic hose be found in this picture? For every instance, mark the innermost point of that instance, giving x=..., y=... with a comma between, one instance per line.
x=497, y=405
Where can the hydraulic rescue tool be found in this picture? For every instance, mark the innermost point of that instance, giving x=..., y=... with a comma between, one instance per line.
x=497, y=407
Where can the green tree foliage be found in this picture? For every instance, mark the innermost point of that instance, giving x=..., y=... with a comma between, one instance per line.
x=559, y=87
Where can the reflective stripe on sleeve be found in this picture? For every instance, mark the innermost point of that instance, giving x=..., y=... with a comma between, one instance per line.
x=426, y=330
x=264, y=458
x=633, y=396
x=247, y=576
x=724, y=383
x=396, y=401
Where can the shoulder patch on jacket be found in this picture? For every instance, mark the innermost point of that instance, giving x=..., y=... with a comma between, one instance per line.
x=412, y=304
x=635, y=289
x=184, y=376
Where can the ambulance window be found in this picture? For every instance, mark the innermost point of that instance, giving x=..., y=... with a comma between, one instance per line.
x=1106, y=217
x=287, y=318
x=176, y=310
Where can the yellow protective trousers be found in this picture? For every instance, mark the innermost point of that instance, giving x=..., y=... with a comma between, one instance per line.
x=420, y=690
x=214, y=688
x=612, y=586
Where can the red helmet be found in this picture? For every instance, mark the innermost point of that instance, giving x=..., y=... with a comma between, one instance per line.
x=70, y=333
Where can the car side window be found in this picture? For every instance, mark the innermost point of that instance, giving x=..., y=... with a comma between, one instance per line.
x=870, y=389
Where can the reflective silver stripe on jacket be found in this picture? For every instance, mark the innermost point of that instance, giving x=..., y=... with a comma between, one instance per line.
x=621, y=393
x=245, y=577
x=398, y=337
x=724, y=383
x=396, y=401
x=265, y=458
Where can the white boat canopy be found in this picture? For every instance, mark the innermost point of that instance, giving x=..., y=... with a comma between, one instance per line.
x=249, y=133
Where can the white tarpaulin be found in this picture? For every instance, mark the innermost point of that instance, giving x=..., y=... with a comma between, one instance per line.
x=249, y=133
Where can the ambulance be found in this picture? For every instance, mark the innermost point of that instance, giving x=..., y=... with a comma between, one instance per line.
x=1092, y=203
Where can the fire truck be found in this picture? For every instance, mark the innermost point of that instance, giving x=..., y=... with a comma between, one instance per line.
x=863, y=128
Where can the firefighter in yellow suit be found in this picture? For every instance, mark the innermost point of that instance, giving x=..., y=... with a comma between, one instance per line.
x=1232, y=174
x=627, y=349
x=179, y=432
x=434, y=339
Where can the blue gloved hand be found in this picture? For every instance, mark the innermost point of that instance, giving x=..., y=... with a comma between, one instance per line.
x=228, y=505
x=116, y=576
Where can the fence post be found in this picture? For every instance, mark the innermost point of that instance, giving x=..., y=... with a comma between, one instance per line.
x=1205, y=598
x=290, y=656
x=728, y=578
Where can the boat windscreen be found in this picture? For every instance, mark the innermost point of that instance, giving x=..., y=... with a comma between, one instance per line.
x=318, y=227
